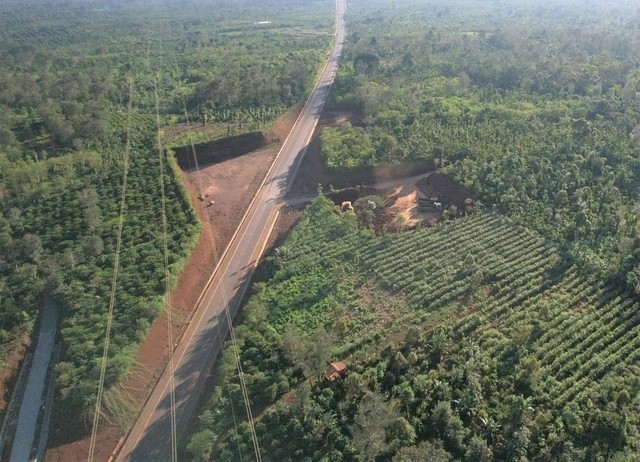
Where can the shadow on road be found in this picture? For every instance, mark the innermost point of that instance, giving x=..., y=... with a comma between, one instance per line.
x=189, y=378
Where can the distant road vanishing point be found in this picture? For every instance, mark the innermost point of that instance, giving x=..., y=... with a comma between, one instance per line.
x=194, y=356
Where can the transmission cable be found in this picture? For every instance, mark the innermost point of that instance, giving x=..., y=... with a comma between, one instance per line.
x=116, y=264
x=225, y=301
x=168, y=313
x=172, y=393
x=235, y=349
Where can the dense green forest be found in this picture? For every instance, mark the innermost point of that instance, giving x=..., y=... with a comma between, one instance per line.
x=535, y=106
x=473, y=340
x=68, y=73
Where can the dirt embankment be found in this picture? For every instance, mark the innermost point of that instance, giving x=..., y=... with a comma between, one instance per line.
x=219, y=150
x=449, y=191
x=10, y=369
x=402, y=185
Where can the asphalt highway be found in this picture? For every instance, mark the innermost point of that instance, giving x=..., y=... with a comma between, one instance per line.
x=196, y=352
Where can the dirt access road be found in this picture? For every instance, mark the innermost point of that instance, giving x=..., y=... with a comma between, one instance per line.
x=150, y=438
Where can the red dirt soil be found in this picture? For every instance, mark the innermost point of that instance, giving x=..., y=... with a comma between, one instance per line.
x=231, y=184
x=9, y=372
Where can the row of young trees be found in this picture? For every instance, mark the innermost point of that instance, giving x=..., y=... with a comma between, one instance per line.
x=459, y=342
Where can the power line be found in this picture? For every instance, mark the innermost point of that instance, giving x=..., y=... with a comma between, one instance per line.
x=174, y=443
x=116, y=264
x=172, y=393
x=225, y=300
x=243, y=386
x=235, y=423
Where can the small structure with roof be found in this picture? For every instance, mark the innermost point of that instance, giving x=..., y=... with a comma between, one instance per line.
x=335, y=371
x=346, y=206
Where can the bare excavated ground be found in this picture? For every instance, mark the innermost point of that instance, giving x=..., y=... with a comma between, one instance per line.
x=10, y=369
x=231, y=183
x=404, y=203
x=401, y=185
x=228, y=189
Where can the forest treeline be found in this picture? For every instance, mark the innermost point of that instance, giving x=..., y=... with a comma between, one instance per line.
x=67, y=74
x=534, y=108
